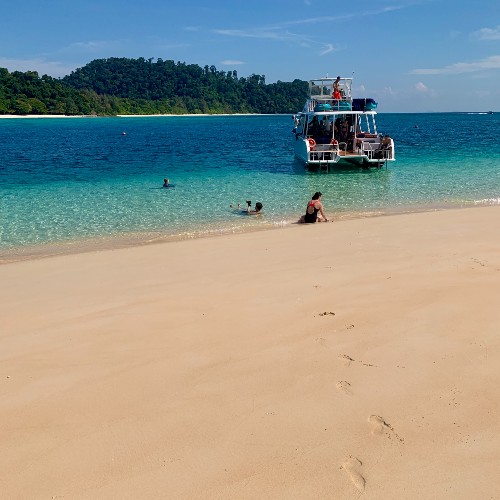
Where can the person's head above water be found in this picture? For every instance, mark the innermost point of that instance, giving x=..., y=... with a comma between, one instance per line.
x=258, y=206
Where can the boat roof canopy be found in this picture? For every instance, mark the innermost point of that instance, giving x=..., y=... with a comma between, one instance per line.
x=324, y=87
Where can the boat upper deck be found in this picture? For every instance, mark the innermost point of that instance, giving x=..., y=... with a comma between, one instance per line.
x=324, y=88
x=329, y=94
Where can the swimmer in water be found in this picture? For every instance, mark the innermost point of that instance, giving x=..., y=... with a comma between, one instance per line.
x=249, y=210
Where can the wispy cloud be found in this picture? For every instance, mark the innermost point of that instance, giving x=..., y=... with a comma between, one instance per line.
x=350, y=15
x=268, y=33
x=280, y=32
x=230, y=62
x=492, y=62
x=279, y=35
x=43, y=67
x=328, y=48
x=487, y=33
x=91, y=46
x=421, y=88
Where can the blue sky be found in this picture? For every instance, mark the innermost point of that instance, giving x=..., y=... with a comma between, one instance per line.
x=409, y=55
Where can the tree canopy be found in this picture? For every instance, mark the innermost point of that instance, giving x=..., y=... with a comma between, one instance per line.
x=142, y=86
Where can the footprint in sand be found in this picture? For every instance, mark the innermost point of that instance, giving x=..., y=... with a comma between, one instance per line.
x=353, y=468
x=327, y=313
x=380, y=426
x=346, y=359
x=343, y=386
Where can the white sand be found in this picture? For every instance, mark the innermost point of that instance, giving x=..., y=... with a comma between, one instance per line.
x=344, y=360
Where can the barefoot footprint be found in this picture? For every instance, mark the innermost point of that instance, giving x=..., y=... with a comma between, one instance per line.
x=353, y=468
x=346, y=359
x=379, y=426
x=344, y=386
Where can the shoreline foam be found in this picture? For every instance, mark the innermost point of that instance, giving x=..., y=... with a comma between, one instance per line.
x=139, y=239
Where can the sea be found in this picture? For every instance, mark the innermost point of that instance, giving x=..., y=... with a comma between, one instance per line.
x=82, y=184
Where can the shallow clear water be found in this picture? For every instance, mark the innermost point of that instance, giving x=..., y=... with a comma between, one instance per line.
x=98, y=181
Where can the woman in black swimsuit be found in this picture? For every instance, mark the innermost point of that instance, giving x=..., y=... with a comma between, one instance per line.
x=313, y=207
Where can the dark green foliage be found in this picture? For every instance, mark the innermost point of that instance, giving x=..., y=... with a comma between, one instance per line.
x=138, y=86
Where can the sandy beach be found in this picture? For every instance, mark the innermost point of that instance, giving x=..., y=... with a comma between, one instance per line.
x=355, y=359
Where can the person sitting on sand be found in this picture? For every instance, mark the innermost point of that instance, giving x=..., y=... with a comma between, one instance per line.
x=313, y=207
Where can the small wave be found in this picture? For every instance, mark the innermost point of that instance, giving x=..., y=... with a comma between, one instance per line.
x=487, y=201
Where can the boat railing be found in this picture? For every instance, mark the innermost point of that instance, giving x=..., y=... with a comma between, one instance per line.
x=324, y=153
x=374, y=151
x=336, y=104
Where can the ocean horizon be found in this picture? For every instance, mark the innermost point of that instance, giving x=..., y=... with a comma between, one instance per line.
x=93, y=183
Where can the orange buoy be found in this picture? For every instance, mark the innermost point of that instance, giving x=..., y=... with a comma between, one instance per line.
x=312, y=142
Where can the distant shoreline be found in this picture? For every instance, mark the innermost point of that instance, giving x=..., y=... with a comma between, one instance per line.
x=143, y=116
x=226, y=114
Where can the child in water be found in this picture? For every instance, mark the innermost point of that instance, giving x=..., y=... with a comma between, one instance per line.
x=249, y=210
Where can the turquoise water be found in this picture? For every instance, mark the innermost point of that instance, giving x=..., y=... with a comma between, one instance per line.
x=70, y=184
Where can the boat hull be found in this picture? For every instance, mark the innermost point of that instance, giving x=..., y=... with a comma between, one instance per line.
x=328, y=157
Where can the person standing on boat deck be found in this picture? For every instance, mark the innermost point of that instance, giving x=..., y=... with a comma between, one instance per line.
x=336, y=84
x=336, y=89
x=314, y=210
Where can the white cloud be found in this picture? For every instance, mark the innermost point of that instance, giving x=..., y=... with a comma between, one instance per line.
x=424, y=89
x=92, y=46
x=487, y=33
x=328, y=48
x=230, y=62
x=55, y=69
x=350, y=15
x=492, y=62
x=272, y=33
x=264, y=33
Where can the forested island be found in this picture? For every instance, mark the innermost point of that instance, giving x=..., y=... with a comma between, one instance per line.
x=123, y=86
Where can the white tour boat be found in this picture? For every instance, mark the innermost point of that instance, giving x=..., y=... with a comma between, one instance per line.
x=335, y=130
